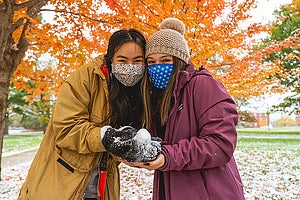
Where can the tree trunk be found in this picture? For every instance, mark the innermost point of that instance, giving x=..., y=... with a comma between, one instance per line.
x=6, y=124
x=12, y=50
x=6, y=16
x=4, y=89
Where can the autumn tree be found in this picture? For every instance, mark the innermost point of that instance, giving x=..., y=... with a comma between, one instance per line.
x=80, y=30
x=286, y=121
x=16, y=103
x=246, y=118
x=34, y=116
x=17, y=20
x=287, y=25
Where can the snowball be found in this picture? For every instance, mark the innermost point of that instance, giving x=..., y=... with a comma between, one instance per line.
x=143, y=136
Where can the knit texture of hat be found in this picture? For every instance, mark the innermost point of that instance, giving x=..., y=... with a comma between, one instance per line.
x=169, y=40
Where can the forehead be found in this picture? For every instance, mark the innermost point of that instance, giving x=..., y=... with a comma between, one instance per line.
x=129, y=50
x=158, y=56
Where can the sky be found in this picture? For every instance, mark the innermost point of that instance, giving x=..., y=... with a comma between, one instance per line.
x=265, y=8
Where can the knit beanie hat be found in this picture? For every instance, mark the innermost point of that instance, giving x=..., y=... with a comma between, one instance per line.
x=169, y=40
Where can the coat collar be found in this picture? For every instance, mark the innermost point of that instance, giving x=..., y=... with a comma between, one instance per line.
x=100, y=67
x=184, y=76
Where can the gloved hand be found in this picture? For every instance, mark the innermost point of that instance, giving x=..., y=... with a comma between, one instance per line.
x=131, y=144
x=117, y=141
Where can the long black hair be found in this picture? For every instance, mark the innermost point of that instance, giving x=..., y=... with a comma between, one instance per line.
x=125, y=102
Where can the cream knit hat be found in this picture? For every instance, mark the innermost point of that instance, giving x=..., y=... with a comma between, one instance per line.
x=169, y=40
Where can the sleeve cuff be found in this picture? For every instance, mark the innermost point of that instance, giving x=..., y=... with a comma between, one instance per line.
x=167, y=159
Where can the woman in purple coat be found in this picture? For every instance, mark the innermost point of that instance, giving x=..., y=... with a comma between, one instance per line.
x=195, y=117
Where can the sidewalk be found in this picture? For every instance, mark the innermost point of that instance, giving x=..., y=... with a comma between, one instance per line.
x=18, y=158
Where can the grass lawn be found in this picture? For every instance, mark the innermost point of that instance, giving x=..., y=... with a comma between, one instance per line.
x=274, y=139
x=268, y=142
x=19, y=142
x=247, y=138
x=292, y=130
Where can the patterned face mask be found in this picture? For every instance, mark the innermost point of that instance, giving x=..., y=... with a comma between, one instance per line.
x=160, y=74
x=128, y=74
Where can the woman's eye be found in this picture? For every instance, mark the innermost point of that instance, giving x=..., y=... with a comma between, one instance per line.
x=150, y=62
x=139, y=61
x=121, y=61
x=164, y=61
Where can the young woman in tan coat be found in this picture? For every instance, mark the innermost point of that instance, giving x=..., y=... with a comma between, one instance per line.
x=105, y=91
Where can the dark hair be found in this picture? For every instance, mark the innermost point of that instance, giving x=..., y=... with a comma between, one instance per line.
x=119, y=95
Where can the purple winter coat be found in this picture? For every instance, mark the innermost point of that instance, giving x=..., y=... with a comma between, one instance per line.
x=199, y=142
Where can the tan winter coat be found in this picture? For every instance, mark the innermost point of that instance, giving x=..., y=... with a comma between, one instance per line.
x=72, y=145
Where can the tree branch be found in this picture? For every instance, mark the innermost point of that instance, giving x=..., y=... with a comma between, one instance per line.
x=77, y=14
x=148, y=8
x=17, y=24
x=29, y=4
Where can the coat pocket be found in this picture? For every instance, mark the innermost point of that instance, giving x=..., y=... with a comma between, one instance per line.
x=65, y=164
x=74, y=161
x=55, y=179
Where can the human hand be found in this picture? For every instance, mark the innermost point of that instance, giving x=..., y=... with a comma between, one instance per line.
x=131, y=144
x=153, y=165
x=131, y=164
x=117, y=141
x=144, y=148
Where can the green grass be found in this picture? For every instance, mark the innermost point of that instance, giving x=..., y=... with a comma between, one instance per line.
x=247, y=138
x=20, y=142
x=275, y=140
x=288, y=143
x=293, y=130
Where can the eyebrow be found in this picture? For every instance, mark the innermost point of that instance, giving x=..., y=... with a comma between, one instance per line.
x=166, y=56
x=120, y=56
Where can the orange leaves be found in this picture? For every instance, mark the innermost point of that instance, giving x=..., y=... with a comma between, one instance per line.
x=81, y=29
x=257, y=28
x=23, y=26
x=249, y=76
x=41, y=79
x=20, y=14
x=114, y=5
x=295, y=5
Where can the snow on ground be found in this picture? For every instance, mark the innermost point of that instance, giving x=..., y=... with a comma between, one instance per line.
x=265, y=174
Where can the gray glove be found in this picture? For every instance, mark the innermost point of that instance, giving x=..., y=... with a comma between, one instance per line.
x=131, y=144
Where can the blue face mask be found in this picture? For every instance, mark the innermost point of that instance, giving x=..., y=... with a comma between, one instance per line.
x=160, y=74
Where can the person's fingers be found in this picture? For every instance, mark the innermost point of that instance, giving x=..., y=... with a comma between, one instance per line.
x=131, y=164
x=156, y=164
